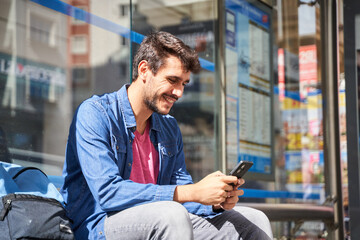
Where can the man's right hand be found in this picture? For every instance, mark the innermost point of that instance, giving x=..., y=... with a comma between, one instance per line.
x=214, y=189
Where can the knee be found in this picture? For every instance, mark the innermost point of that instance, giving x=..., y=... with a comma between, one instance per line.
x=258, y=218
x=174, y=212
x=253, y=215
x=263, y=222
x=173, y=221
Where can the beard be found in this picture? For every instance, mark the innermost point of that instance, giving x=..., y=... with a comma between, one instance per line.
x=151, y=100
x=150, y=103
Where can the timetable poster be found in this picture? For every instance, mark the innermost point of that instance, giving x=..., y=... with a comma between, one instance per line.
x=248, y=96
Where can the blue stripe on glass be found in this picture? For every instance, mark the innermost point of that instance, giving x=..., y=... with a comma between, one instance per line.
x=255, y=193
x=103, y=23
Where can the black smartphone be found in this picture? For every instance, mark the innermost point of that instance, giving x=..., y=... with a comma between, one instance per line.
x=241, y=168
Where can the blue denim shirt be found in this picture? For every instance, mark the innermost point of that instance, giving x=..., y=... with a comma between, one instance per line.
x=99, y=159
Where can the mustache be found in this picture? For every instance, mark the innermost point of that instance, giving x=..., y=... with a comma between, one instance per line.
x=171, y=96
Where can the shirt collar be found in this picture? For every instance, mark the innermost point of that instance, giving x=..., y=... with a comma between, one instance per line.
x=128, y=114
x=125, y=107
x=155, y=125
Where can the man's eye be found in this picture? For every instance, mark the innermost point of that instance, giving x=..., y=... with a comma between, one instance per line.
x=172, y=81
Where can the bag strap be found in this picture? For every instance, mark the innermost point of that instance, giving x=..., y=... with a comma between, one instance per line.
x=25, y=169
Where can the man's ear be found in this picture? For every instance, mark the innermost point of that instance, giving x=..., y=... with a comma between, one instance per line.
x=143, y=69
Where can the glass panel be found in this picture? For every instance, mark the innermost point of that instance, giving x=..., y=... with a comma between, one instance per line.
x=193, y=22
x=274, y=111
x=248, y=86
x=274, y=103
x=300, y=164
x=51, y=59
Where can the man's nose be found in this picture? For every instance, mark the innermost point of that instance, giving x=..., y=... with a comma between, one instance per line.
x=178, y=90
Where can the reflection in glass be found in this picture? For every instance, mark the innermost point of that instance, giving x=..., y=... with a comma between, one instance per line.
x=50, y=61
x=33, y=79
x=300, y=130
x=276, y=120
x=248, y=86
x=195, y=111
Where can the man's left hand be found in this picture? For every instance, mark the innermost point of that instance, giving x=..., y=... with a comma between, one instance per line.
x=233, y=197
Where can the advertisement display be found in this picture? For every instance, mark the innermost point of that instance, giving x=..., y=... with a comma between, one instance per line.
x=304, y=156
x=307, y=69
x=302, y=121
x=22, y=78
x=248, y=86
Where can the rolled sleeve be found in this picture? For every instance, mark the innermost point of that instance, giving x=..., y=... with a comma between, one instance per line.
x=165, y=193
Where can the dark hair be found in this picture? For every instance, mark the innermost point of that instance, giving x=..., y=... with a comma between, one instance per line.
x=158, y=46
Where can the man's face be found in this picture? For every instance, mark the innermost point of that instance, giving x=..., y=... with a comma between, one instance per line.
x=166, y=87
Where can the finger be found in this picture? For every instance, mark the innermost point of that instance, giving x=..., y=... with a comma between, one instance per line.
x=234, y=195
x=237, y=193
x=232, y=200
x=218, y=200
x=226, y=195
x=240, y=181
x=229, y=179
x=227, y=206
x=229, y=188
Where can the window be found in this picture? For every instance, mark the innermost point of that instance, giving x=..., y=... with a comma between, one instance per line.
x=42, y=30
x=79, y=75
x=123, y=41
x=124, y=10
x=79, y=44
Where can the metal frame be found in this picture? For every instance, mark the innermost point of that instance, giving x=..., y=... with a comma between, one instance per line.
x=351, y=9
x=220, y=85
x=329, y=77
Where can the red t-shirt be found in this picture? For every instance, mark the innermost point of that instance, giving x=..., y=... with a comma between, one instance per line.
x=145, y=167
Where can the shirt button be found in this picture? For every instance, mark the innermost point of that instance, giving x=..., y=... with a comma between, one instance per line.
x=130, y=141
x=117, y=147
x=129, y=164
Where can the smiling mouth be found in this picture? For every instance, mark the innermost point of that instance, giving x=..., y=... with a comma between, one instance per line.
x=170, y=99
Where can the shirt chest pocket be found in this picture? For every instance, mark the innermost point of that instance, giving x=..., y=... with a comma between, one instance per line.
x=168, y=150
x=167, y=154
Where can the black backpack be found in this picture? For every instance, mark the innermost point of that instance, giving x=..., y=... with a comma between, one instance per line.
x=30, y=205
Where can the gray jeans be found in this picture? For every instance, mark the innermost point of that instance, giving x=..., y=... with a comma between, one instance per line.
x=170, y=220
